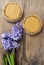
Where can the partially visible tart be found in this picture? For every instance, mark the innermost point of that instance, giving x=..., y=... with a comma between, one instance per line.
x=32, y=25
x=12, y=11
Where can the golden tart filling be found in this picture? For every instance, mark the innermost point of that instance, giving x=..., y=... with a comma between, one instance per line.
x=12, y=11
x=32, y=24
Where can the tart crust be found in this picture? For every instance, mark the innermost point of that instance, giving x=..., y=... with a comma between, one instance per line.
x=12, y=11
x=32, y=24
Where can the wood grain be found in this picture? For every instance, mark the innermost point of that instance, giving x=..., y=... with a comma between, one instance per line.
x=31, y=50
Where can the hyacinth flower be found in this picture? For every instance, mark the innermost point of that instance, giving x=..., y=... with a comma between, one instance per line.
x=17, y=31
x=5, y=35
x=7, y=42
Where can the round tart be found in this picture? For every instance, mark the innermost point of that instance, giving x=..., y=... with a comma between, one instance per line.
x=12, y=12
x=32, y=25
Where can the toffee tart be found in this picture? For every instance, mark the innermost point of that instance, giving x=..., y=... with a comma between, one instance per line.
x=12, y=11
x=32, y=24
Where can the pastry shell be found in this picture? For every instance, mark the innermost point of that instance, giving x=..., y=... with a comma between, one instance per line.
x=11, y=20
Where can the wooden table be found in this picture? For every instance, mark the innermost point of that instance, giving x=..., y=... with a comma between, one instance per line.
x=31, y=50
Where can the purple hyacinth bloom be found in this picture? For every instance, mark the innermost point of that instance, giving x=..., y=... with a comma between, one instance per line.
x=15, y=44
x=5, y=35
x=5, y=44
x=17, y=31
x=8, y=42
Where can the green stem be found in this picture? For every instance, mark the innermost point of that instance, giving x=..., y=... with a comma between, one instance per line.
x=12, y=58
x=7, y=56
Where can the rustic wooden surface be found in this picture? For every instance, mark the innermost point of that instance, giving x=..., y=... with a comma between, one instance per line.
x=31, y=50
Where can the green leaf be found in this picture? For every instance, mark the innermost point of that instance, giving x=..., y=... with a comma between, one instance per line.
x=12, y=59
x=7, y=56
